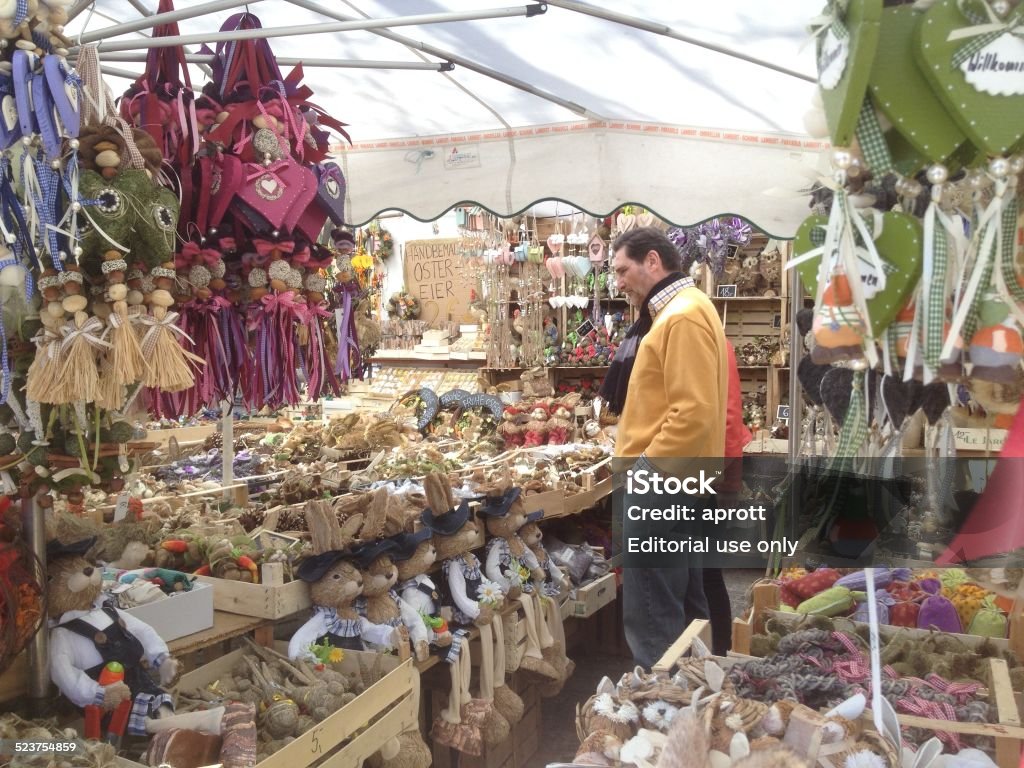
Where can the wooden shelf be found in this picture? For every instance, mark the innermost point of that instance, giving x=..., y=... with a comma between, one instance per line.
x=746, y=298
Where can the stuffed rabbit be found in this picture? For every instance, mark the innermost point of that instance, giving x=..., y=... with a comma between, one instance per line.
x=335, y=583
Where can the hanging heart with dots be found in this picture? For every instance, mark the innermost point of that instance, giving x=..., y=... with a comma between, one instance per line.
x=845, y=53
x=901, y=92
x=979, y=78
x=898, y=245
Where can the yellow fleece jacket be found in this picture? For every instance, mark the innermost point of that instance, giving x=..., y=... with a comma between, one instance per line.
x=677, y=397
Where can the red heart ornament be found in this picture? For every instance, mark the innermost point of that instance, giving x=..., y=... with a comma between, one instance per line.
x=310, y=186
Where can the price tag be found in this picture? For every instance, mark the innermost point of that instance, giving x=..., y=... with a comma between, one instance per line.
x=585, y=329
x=121, y=510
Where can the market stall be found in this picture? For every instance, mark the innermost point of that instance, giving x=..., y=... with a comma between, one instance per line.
x=283, y=488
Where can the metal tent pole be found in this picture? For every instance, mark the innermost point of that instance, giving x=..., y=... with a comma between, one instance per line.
x=301, y=29
x=200, y=58
x=661, y=29
x=118, y=72
x=458, y=60
x=39, y=647
x=150, y=21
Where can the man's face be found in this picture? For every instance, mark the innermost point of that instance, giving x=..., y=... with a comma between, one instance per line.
x=635, y=279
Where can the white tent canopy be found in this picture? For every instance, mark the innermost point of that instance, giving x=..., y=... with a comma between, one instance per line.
x=606, y=113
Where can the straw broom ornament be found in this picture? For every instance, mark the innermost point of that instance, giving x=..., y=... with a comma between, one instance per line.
x=41, y=377
x=169, y=368
x=124, y=364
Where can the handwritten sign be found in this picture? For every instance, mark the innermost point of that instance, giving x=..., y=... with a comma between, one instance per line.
x=975, y=439
x=438, y=277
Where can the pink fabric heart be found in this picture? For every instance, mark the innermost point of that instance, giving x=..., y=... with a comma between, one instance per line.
x=555, y=244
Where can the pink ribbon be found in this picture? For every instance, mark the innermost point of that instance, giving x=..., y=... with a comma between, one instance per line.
x=266, y=247
x=189, y=252
x=266, y=170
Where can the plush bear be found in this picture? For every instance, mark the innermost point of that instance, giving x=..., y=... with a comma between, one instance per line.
x=470, y=599
x=101, y=657
x=555, y=586
x=335, y=583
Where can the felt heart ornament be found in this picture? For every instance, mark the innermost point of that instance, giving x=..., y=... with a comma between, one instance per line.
x=836, y=386
x=810, y=375
x=898, y=245
x=896, y=397
x=901, y=92
x=555, y=244
x=583, y=265
x=846, y=51
x=272, y=191
x=306, y=196
x=934, y=401
x=979, y=78
x=645, y=219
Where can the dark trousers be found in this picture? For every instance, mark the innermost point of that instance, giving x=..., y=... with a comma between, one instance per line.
x=721, y=610
x=658, y=603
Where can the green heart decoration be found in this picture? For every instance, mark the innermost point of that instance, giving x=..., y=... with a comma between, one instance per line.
x=899, y=246
x=902, y=93
x=994, y=124
x=857, y=51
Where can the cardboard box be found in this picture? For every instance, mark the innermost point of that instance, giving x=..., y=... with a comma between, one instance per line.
x=180, y=614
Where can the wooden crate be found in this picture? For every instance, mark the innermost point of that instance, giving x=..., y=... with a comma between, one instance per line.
x=354, y=732
x=591, y=597
x=1006, y=731
x=183, y=435
x=264, y=601
x=766, y=606
x=552, y=502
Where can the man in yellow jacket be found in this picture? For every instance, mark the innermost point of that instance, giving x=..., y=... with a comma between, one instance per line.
x=673, y=398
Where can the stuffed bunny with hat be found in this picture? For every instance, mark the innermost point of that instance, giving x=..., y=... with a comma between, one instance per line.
x=380, y=603
x=101, y=657
x=554, y=586
x=470, y=598
x=512, y=564
x=334, y=583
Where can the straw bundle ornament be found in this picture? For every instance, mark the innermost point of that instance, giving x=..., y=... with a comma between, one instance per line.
x=169, y=368
x=42, y=373
x=79, y=376
x=124, y=363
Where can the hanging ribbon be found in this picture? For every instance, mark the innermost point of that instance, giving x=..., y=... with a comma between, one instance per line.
x=832, y=20
x=987, y=28
x=839, y=254
x=872, y=141
x=990, y=252
x=855, y=424
x=150, y=336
